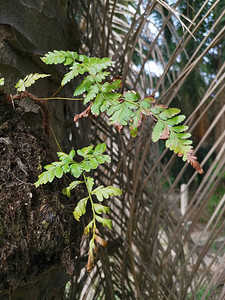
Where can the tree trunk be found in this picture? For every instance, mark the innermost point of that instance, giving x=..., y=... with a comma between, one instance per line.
x=39, y=238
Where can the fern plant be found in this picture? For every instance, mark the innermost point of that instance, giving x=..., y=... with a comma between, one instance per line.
x=127, y=109
x=92, y=158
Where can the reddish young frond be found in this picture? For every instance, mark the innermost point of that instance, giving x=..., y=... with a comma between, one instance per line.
x=192, y=160
x=84, y=114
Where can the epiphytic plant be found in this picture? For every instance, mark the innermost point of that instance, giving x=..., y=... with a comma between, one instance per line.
x=92, y=158
x=101, y=95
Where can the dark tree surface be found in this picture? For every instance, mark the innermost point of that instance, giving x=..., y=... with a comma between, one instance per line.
x=35, y=243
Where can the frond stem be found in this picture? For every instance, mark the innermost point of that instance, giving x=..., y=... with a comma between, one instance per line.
x=60, y=98
x=92, y=207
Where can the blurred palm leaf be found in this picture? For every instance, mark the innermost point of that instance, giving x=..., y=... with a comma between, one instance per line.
x=175, y=52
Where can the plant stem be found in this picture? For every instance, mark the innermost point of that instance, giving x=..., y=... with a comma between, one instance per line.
x=92, y=206
x=60, y=98
x=56, y=141
x=53, y=95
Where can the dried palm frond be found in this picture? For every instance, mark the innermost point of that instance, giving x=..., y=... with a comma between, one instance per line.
x=154, y=251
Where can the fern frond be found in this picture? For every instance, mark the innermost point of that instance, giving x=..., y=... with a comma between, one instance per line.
x=59, y=57
x=120, y=113
x=103, y=101
x=130, y=110
x=92, y=158
x=93, y=91
x=177, y=140
x=138, y=115
x=101, y=76
x=81, y=64
x=76, y=69
x=192, y=160
x=96, y=105
x=157, y=131
x=84, y=86
x=30, y=79
x=178, y=145
x=95, y=65
x=127, y=109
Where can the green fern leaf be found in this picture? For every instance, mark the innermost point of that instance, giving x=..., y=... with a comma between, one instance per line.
x=90, y=183
x=104, y=192
x=80, y=209
x=110, y=100
x=86, y=165
x=179, y=146
x=145, y=105
x=74, y=184
x=175, y=120
x=101, y=76
x=66, y=168
x=44, y=178
x=93, y=91
x=132, y=96
x=93, y=163
x=92, y=158
x=135, y=123
x=104, y=101
x=157, y=131
x=55, y=57
x=103, y=158
x=58, y=57
x=58, y=172
x=30, y=79
x=84, y=86
x=176, y=139
x=49, y=167
x=75, y=70
x=76, y=169
x=85, y=151
x=67, y=191
x=183, y=136
x=156, y=109
x=96, y=105
x=181, y=128
x=99, y=149
x=71, y=154
x=111, y=86
x=88, y=227
x=2, y=81
x=99, y=209
x=51, y=176
x=95, y=64
x=120, y=113
x=105, y=222
x=70, y=58
x=65, y=158
x=169, y=113
x=136, y=118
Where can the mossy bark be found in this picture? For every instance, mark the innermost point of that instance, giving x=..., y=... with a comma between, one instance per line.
x=38, y=239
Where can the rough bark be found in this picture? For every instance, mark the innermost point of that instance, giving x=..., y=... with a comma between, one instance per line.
x=36, y=234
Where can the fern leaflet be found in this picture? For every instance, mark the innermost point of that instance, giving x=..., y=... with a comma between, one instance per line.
x=30, y=79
